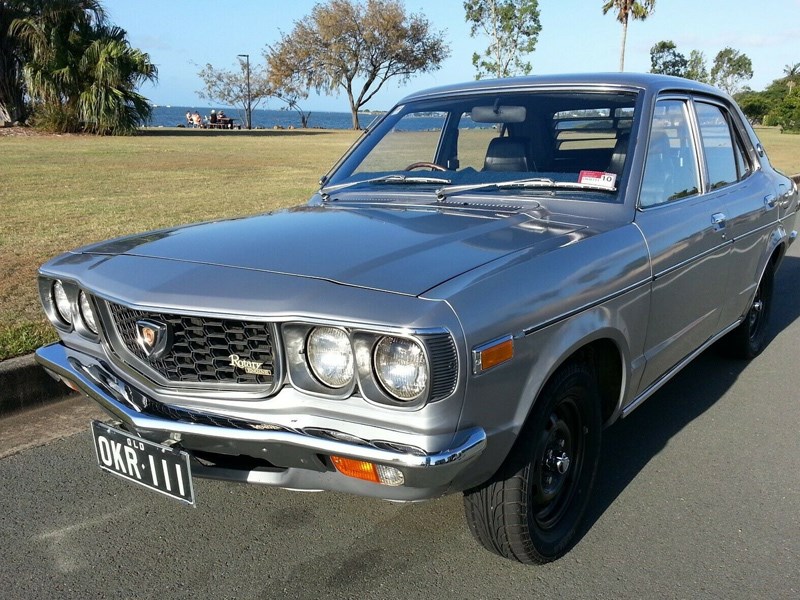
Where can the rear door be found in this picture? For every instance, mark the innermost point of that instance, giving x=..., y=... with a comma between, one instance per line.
x=750, y=202
x=686, y=232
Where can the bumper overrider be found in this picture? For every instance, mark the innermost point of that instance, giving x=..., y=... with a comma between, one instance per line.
x=226, y=449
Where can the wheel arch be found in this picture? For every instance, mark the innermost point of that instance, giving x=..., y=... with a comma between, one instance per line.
x=606, y=350
x=605, y=358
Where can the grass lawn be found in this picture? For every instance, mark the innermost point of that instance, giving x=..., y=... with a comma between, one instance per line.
x=59, y=192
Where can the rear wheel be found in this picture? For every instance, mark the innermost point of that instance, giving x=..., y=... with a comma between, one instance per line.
x=531, y=510
x=750, y=337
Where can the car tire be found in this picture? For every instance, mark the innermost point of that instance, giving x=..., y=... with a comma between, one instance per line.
x=750, y=337
x=530, y=511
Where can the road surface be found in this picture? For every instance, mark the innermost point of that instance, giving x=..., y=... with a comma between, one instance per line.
x=698, y=496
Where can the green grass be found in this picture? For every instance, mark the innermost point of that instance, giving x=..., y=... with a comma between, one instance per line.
x=59, y=192
x=783, y=149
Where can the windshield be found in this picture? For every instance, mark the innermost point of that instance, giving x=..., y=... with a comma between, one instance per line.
x=571, y=141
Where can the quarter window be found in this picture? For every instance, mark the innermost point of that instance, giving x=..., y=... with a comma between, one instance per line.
x=718, y=145
x=670, y=172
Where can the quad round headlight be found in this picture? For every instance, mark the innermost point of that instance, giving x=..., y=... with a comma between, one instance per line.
x=86, y=312
x=63, y=306
x=401, y=368
x=330, y=356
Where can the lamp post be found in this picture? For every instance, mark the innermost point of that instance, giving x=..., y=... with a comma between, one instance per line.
x=248, y=110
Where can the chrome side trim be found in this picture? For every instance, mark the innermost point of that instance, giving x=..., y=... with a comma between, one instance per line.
x=659, y=383
x=531, y=330
x=469, y=446
x=688, y=261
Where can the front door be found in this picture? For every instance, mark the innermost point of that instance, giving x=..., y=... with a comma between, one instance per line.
x=687, y=237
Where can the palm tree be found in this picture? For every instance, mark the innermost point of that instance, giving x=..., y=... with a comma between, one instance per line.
x=112, y=70
x=82, y=74
x=626, y=10
x=791, y=72
x=52, y=36
x=12, y=58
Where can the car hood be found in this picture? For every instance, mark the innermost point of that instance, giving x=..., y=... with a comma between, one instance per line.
x=407, y=251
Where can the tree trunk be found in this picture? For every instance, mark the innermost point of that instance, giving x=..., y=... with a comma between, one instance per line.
x=353, y=109
x=622, y=50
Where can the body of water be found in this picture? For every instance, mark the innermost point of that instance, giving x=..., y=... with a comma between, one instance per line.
x=171, y=116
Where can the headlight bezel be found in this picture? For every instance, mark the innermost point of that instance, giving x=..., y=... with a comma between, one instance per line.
x=298, y=370
x=382, y=379
x=47, y=295
x=65, y=314
x=89, y=323
x=366, y=381
x=73, y=293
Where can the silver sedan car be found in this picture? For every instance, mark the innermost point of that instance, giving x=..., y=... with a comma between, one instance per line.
x=494, y=273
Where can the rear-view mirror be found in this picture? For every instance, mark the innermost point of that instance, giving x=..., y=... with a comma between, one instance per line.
x=498, y=114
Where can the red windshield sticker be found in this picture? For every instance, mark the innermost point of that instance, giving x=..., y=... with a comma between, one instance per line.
x=601, y=178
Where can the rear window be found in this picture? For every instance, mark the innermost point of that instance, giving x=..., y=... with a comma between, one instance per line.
x=591, y=128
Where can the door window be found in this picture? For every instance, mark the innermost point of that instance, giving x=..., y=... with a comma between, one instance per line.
x=670, y=172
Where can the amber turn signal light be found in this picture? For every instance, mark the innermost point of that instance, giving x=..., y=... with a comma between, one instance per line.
x=493, y=354
x=361, y=469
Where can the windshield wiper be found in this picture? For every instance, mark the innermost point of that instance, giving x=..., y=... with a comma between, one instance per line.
x=395, y=179
x=529, y=183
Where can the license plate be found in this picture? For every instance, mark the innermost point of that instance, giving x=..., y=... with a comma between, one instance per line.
x=157, y=467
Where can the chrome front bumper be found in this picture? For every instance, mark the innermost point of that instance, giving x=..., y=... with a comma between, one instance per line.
x=298, y=459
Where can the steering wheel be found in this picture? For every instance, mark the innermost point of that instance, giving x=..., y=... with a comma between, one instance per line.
x=425, y=165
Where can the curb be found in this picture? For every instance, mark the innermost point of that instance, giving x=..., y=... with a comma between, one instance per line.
x=25, y=384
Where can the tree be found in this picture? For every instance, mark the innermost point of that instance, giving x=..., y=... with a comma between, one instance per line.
x=627, y=10
x=730, y=69
x=513, y=29
x=696, y=67
x=113, y=70
x=12, y=82
x=81, y=73
x=792, y=72
x=229, y=88
x=666, y=60
x=290, y=90
x=754, y=105
x=787, y=113
x=355, y=47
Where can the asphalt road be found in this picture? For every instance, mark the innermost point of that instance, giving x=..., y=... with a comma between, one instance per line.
x=698, y=497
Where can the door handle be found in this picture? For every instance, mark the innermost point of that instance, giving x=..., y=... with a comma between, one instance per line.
x=769, y=201
x=718, y=221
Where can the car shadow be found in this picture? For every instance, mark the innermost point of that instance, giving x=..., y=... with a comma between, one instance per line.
x=630, y=444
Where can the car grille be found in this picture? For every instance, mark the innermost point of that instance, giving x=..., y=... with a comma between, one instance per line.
x=201, y=347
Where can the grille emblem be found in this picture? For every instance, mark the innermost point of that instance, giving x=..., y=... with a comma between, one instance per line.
x=153, y=338
x=250, y=366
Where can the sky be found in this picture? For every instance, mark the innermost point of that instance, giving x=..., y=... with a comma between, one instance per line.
x=181, y=36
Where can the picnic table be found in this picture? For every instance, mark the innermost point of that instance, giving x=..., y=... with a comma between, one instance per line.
x=222, y=123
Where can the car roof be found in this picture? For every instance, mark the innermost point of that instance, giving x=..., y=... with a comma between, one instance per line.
x=648, y=82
